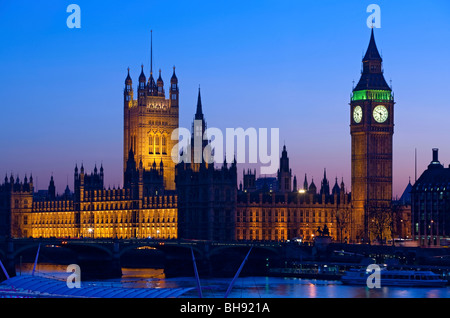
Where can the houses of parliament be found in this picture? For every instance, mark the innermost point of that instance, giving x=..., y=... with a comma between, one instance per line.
x=163, y=199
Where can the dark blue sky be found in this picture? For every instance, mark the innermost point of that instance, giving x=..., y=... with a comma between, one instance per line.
x=263, y=64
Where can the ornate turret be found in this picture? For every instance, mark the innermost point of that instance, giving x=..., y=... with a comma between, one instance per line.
x=199, y=111
x=198, y=144
x=141, y=87
x=305, y=184
x=312, y=188
x=249, y=179
x=52, y=189
x=325, y=185
x=128, y=91
x=128, y=80
x=174, y=92
x=336, y=190
x=151, y=86
x=284, y=173
x=160, y=85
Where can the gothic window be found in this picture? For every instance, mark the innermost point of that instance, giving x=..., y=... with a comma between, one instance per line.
x=157, y=144
x=164, y=142
x=174, y=97
x=133, y=141
x=150, y=144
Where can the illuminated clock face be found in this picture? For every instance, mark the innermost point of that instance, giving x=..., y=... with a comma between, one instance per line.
x=357, y=114
x=380, y=113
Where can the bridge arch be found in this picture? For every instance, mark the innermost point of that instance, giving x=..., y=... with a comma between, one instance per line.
x=73, y=246
x=220, y=249
x=161, y=246
x=22, y=248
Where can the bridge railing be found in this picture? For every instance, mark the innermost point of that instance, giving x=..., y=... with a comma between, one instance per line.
x=54, y=240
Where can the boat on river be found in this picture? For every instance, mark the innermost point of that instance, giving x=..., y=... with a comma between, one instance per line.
x=405, y=278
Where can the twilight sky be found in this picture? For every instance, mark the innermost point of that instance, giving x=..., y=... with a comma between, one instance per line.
x=263, y=64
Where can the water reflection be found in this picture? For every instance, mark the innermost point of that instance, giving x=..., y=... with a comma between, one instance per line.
x=312, y=291
x=245, y=287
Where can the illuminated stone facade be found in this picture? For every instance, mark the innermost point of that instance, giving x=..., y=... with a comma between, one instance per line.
x=281, y=217
x=291, y=212
x=149, y=122
x=16, y=202
x=91, y=211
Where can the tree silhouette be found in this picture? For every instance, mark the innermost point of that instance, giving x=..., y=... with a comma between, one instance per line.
x=343, y=219
x=382, y=221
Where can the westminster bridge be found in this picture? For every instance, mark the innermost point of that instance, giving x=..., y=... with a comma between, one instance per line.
x=104, y=258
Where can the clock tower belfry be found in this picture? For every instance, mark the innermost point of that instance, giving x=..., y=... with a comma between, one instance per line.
x=371, y=129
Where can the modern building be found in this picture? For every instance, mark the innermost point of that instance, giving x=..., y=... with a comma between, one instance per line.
x=430, y=205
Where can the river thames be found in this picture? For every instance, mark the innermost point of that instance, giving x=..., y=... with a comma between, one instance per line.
x=245, y=287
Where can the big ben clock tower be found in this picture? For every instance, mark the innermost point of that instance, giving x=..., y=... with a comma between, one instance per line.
x=371, y=129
